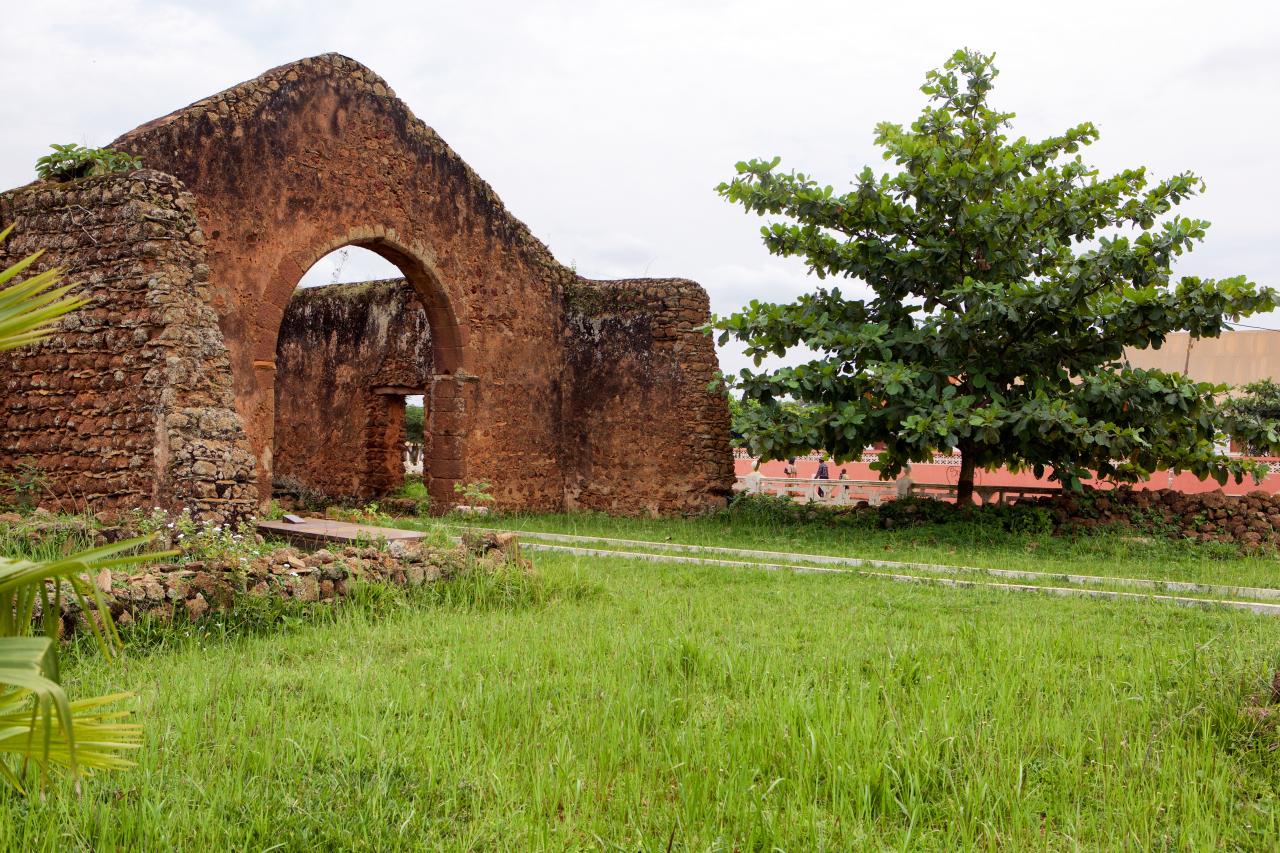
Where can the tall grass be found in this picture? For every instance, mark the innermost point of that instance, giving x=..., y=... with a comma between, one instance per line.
x=688, y=708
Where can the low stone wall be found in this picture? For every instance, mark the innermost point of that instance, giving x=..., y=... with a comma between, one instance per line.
x=642, y=431
x=346, y=358
x=195, y=589
x=130, y=403
x=1250, y=521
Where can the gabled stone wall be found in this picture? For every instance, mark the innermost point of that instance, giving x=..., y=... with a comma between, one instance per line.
x=130, y=403
x=320, y=154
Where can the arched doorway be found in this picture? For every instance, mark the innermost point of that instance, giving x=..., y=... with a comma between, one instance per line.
x=354, y=351
x=348, y=358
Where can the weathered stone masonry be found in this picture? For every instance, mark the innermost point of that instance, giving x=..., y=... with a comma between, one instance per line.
x=164, y=390
x=638, y=409
x=130, y=404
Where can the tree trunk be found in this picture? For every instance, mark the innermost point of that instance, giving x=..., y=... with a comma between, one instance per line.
x=964, y=487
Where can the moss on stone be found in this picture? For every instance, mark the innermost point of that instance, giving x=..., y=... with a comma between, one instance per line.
x=349, y=290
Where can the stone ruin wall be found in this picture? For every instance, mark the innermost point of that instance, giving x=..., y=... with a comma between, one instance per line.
x=643, y=434
x=162, y=392
x=129, y=404
x=348, y=355
x=320, y=154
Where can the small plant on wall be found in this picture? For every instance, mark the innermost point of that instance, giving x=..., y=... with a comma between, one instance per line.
x=475, y=493
x=68, y=162
x=24, y=486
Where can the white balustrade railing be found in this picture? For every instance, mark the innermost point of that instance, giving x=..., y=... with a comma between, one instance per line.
x=836, y=492
x=875, y=492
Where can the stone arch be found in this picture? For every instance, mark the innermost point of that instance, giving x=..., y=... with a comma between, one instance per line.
x=449, y=417
x=320, y=154
x=448, y=337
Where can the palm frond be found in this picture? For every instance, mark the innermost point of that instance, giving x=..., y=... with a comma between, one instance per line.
x=29, y=307
x=39, y=725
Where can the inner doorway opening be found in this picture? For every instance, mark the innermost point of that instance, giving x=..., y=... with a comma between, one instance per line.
x=353, y=354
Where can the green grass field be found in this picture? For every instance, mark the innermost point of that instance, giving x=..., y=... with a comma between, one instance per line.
x=640, y=706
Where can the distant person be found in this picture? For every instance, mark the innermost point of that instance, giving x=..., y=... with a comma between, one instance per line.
x=824, y=473
x=844, y=475
x=789, y=470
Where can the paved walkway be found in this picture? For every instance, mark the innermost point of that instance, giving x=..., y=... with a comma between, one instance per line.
x=1255, y=599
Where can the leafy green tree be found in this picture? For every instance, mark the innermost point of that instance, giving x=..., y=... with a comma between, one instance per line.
x=413, y=419
x=1006, y=279
x=1255, y=410
x=745, y=416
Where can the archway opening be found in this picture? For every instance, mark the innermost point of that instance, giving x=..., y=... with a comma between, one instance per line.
x=355, y=353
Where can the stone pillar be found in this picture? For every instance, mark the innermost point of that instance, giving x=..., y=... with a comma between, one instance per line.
x=384, y=443
x=258, y=409
x=450, y=407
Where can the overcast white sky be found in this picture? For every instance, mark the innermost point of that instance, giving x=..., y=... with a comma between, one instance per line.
x=605, y=126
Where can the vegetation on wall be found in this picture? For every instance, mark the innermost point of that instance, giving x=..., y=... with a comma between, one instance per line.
x=68, y=162
x=594, y=298
x=1007, y=277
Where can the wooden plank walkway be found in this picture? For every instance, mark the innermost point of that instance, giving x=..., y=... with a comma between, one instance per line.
x=310, y=532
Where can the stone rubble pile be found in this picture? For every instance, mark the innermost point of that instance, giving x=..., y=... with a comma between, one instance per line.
x=194, y=588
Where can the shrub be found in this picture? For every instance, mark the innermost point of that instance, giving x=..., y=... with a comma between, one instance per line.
x=415, y=490
x=769, y=509
x=68, y=162
x=1022, y=518
x=475, y=493
x=201, y=540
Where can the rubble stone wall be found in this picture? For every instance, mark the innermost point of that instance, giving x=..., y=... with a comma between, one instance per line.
x=560, y=392
x=642, y=431
x=347, y=356
x=130, y=402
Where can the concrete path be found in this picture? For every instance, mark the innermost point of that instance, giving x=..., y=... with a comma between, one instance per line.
x=1050, y=582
